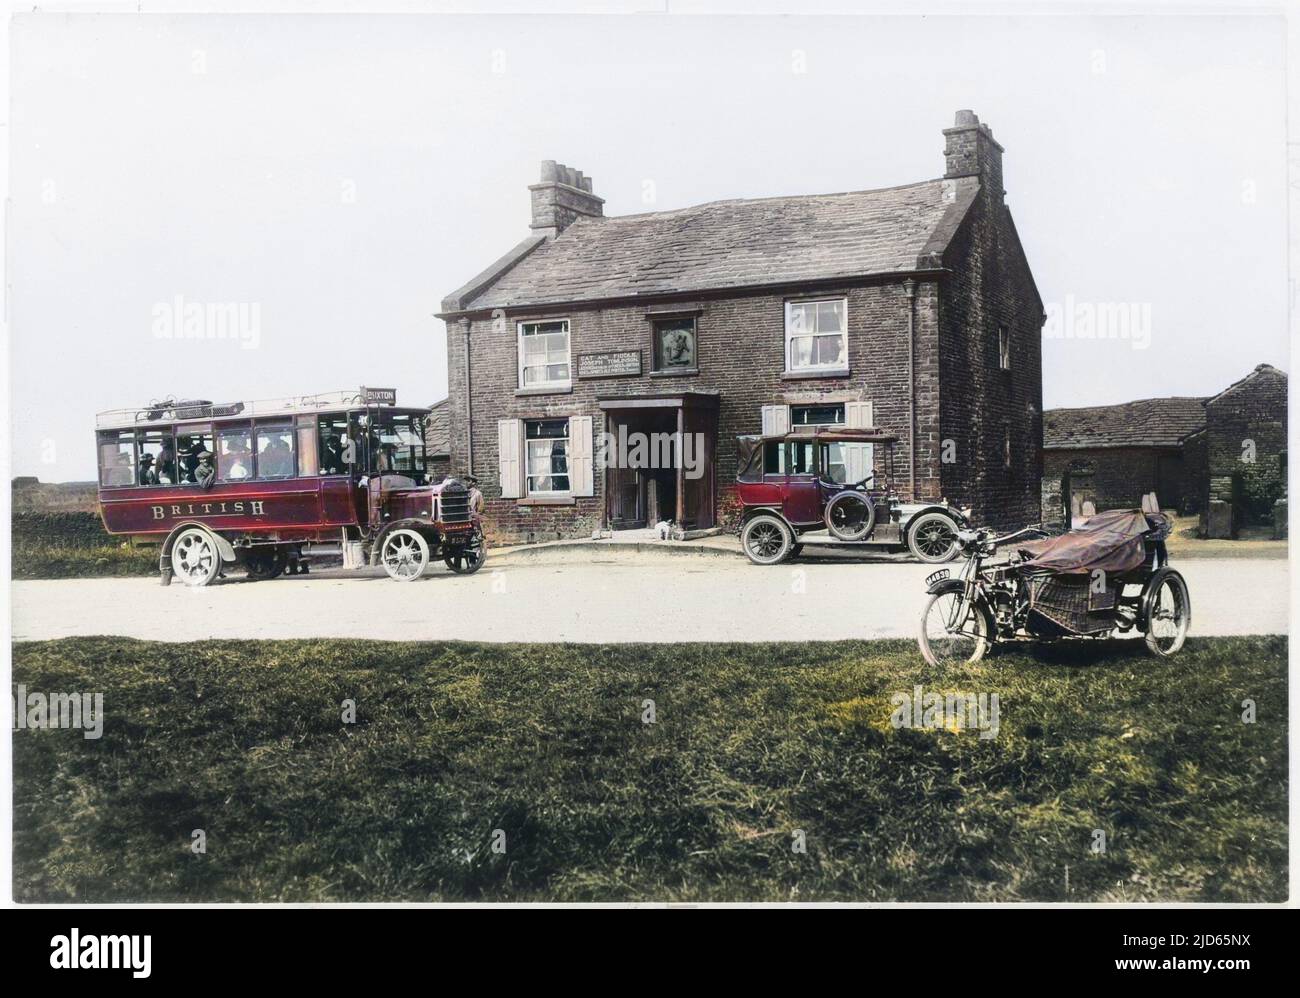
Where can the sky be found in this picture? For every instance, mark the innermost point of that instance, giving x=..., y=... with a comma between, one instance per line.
x=325, y=180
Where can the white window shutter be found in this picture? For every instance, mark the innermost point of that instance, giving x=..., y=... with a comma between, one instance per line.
x=508, y=458
x=857, y=415
x=859, y=459
x=581, y=479
x=776, y=420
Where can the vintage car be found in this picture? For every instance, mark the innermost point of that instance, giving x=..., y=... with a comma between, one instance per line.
x=803, y=481
x=270, y=484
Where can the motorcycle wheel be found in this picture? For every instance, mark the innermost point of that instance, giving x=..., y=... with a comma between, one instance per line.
x=953, y=630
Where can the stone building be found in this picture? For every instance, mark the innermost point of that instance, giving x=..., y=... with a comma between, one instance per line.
x=1113, y=455
x=911, y=309
x=1223, y=457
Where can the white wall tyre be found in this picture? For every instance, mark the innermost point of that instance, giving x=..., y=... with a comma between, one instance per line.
x=932, y=538
x=766, y=539
x=405, y=555
x=953, y=630
x=1170, y=615
x=850, y=516
x=195, y=558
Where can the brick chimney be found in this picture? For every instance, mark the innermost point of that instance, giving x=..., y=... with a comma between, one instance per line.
x=561, y=198
x=971, y=151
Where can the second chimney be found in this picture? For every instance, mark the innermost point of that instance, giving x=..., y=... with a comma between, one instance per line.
x=561, y=198
x=971, y=151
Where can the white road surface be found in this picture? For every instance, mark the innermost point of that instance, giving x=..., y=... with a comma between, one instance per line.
x=596, y=597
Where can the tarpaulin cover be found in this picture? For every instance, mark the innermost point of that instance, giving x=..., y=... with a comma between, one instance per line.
x=1110, y=542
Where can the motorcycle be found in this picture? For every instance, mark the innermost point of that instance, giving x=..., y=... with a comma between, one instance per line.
x=1108, y=576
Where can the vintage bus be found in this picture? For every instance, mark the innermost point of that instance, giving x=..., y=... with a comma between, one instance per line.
x=268, y=485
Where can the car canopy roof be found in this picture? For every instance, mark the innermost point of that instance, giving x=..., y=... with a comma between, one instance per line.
x=838, y=434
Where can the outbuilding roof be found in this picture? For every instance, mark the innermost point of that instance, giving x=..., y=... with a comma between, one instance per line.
x=1143, y=423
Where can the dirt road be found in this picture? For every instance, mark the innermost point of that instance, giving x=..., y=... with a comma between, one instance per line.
x=596, y=598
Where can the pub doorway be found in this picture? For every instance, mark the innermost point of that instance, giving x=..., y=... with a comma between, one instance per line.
x=659, y=460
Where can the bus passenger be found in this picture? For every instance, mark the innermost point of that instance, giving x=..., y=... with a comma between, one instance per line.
x=277, y=460
x=332, y=462
x=204, y=472
x=239, y=457
x=148, y=476
x=165, y=467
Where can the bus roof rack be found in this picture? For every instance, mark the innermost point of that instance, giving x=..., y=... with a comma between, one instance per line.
x=173, y=411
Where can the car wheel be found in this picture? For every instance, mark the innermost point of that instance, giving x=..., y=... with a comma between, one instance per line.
x=405, y=555
x=850, y=516
x=932, y=538
x=766, y=540
x=195, y=558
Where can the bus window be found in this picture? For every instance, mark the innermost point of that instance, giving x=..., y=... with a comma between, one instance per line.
x=307, y=456
x=190, y=443
x=117, y=458
x=234, y=453
x=400, y=443
x=275, y=450
x=333, y=433
x=157, y=457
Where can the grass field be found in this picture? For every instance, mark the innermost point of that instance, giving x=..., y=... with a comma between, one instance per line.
x=72, y=544
x=751, y=744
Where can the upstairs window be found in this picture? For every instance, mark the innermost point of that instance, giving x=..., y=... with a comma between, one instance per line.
x=816, y=336
x=1004, y=348
x=544, y=354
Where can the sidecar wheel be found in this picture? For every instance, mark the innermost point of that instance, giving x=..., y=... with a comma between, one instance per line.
x=1168, y=613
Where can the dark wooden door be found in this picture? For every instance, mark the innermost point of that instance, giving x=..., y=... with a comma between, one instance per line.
x=625, y=498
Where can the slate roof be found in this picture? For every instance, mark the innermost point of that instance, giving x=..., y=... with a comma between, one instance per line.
x=1143, y=423
x=729, y=244
x=437, y=434
x=1260, y=369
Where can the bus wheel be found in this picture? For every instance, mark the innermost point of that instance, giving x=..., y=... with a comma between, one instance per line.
x=405, y=555
x=265, y=564
x=467, y=559
x=195, y=559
